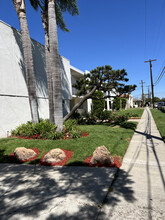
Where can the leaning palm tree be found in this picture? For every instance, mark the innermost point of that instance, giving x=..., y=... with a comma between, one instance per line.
x=28, y=58
x=52, y=15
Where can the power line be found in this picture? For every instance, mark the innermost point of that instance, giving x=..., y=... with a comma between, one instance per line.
x=159, y=28
x=160, y=77
x=160, y=70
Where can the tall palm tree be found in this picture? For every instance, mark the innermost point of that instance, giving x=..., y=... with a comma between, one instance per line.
x=52, y=15
x=61, y=24
x=28, y=58
x=55, y=65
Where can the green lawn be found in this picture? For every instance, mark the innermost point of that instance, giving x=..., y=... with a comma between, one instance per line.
x=116, y=139
x=137, y=112
x=159, y=118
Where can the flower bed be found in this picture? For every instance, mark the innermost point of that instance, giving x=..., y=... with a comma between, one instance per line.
x=68, y=136
x=13, y=159
x=117, y=163
x=84, y=134
x=60, y=163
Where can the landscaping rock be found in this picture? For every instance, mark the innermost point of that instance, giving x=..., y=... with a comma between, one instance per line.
x=22, y=153
x=101, y=156
x=54, y=156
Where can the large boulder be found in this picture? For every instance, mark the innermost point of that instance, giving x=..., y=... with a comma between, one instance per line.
x=101, y=156
x=22, y=153
x=54, y=156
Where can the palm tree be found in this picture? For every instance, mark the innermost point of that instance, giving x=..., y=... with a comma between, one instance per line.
x=28, y=58
x=52, y=15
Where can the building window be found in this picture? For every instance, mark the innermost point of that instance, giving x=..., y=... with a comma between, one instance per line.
x=110, y=106
x=106, y=105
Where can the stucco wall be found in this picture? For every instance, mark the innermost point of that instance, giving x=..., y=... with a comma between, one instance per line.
x=14, y=104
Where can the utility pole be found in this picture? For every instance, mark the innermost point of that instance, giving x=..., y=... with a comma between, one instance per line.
x=142, y=93
x=152, y=86
x=149, y=98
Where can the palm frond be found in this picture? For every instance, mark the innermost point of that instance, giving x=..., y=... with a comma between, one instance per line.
x=34, y=4
x=59, y=18
x=69, y=6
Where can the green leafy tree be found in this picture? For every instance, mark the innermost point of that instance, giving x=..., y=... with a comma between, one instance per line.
x=156, y=99
x=103, y=79
x=98, y=103
x=117, y=103
x=162, y=100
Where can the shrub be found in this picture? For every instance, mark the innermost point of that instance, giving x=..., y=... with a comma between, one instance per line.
x=24, y=130
x=117, y=103
x=43, y=129
x=71, y=128
x=163, y=109
x=90, y=119
x=132, y=114
x=123, y=102
x=70, y=124
x=98, y=104
x=75, y=133
x=54, y=135
x=106, y=115
x=121, y=118
x=76, y=115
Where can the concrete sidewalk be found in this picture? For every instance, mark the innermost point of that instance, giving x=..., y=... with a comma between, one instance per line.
x=38, y=192
x=139, y=190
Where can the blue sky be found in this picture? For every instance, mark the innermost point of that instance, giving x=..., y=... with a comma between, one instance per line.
x=120, y=33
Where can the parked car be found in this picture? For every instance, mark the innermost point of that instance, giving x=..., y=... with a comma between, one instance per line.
x=160, y=104
x=156, y=105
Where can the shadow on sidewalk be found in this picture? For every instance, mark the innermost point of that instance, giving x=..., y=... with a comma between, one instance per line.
x=149, y=135
x=122, y=189
x=34, y=190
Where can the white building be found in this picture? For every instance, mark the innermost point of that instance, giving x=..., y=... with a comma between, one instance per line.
x=14, y=102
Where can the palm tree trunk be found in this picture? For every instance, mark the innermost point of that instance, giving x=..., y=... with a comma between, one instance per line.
x=87, y=96
x=48, y=66
x=28, y=59
x=55, y=65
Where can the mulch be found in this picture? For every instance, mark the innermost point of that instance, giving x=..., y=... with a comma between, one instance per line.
x=117, y=163
x=67, y=136
x=117, y=160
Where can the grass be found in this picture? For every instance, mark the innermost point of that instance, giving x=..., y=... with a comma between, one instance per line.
x=133, y=111
x=116, y=139
x=159, y=118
